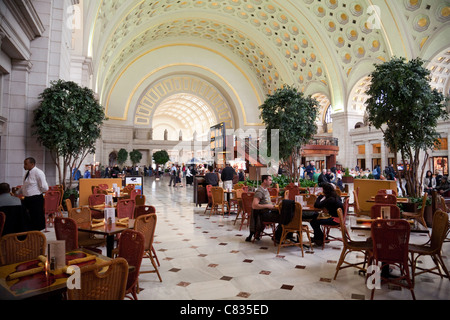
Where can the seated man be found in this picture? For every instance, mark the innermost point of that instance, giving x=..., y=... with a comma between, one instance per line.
x=263, y=209
x=17, y=218
x=444, y=186
x=6, y=199
x=211, y=177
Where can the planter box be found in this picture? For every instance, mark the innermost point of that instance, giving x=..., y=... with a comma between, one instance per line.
x=369, y=188
x=349, y=179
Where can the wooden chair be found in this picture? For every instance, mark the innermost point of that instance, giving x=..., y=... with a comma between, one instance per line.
x=52, y=207
x=236, y=201
x=310, y=199
x=134, y=193
x=293, y=191
x=85, y=239
x=147, y=225
x=96, y=199
x=66, y=229
x=432, y=248
x=376, y=211
x=443, y=206
x=2, y=222
x=105, y=281
x=246, y=213
x=295, y=226
x=125, y=208
x=419, y=216
x=384, y=191
x=355, y=199
x=139, y=200
x=143, y=210
x=209, y=195
x=23, y=246
x=218, y=199
x=103, y=186
x=385, y=199
x=274, y=193
x=327, y=228
x=131, y=248
x=68, y=205
x=351, y=246
x=390, y=247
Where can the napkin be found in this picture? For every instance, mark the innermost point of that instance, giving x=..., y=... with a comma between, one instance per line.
x=25, y=273
x=122, y=224
x=97, y=220
x=95, y=225
x=81, y=260
x=123, y=220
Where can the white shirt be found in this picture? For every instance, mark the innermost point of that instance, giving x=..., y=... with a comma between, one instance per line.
x=35, y=183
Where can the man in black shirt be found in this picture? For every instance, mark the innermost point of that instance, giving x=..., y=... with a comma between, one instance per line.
x=227, y=176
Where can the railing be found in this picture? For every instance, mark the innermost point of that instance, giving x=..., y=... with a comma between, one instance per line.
x=325, y=142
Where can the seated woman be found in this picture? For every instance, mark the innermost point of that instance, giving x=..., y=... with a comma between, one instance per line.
x=330, y=201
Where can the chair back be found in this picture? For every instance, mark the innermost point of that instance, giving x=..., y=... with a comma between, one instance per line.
x=68, y=205
x=345, y=235
x=97, y=284
x=247, y=200
x=80, y=215
x=238, y=186
x=59, y=188
x=346, y=205
x=147, y=225
x=2, y=222
x=208, y=190
x=96, y=199
x=103, y=186
x=390, y=240
x=376, y=211
x=439, y=230
x=125, y=208
x=356, y=201
x=293, y=191
x=131, y=248
x=66, y=229
x=310, y=199
x=384, y=191
x=134, y=193
x=23, y=246
x=386, y=198
x=139, y=200
x=440, y=203
x=273, y=192
x=296, y=222
x=143, y=210
x=238, y=193
x=217, y=195
x=52, y=201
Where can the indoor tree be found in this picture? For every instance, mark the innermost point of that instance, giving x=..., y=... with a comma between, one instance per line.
x=68, y=122
x=294, y=115
x=406, y=109
x=160, y=157
x=122, y=156
x=135, y=157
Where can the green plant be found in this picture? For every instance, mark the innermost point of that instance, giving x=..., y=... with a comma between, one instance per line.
x=122, y=156
x=161, y=157
x=347, y=173
x=69, y=192
x=135, y=156
x=406, y=109
x=294, y=115
x=68, y=123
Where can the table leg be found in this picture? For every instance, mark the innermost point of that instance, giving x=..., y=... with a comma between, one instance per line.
x=109, y=245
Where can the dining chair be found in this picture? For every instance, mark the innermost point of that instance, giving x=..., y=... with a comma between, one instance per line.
x=246, y=213
x=94, y=200
x=350, y=245
x=390, y=239
x=218, y=199
x=385, y=199
x=376, y=211
x=83, y=215
x=293, y=191
x=104, y=281
x=134, y=193
x=139, y=200
x=327, y=228
x=273, y=194
x=384, y=191
x=209, y=195
x=419, y=216
x=2, y=222
x=103, y=186
x=432, y=248
x=66, y=229
x=125, y=208
x=147, y=225
x=443, y=206
x=295, y=226
x=310, y=199
x=356, y=208
x=52, y=207
x=68, y=205
x=355, y=199
x=131, y=248
x=22, y=246
x=236, y=201
x=143, y=210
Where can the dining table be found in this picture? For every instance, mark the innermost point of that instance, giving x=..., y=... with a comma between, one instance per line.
x=109, y=230
x=32, y=279
x=363, y=222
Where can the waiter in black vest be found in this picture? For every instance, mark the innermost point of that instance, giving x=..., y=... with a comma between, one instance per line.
x=34, y=185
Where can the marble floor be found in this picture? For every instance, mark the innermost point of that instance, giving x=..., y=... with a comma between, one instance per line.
x=205, y=257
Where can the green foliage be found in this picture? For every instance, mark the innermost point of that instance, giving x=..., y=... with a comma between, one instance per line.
x=294, y=115
x=135, y=156
x=406, y=109
x=122, y=156
x=68, y=122
x=347, y=173
x=161, y=157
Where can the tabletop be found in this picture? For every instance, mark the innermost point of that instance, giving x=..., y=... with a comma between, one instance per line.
x=28, y=279
x=104, y=228
x=365, y=223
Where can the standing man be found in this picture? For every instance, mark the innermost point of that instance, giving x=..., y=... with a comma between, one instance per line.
x=309, y=170
x=227, y=176
x=173, y=176
x=34, y=185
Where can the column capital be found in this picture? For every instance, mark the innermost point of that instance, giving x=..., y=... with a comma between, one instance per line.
x=21, y=65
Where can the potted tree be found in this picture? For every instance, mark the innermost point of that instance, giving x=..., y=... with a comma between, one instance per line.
x=294, y=115
x=122, y=156
x=347, y=178
x=161, y=158
x=135, y=157
x=406, y=109
x=68, y=123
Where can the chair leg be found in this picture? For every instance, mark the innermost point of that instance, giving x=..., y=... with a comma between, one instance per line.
x=156, y=257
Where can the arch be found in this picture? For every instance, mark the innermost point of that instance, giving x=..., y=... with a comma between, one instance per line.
x=358, y=96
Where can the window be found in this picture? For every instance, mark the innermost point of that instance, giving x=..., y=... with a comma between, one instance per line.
x=328, y=115
x=362, y=149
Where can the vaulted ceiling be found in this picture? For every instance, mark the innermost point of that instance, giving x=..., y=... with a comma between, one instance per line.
x=245, y=49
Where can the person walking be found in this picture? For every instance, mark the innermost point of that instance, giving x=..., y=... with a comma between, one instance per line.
x=34, y=185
